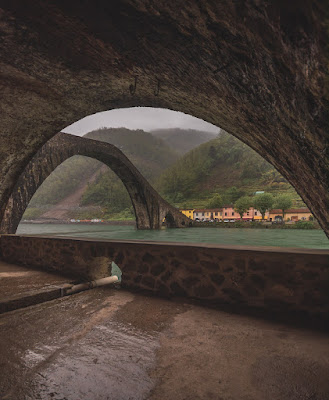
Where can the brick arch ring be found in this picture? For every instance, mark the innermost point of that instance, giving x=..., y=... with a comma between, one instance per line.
x=149, y=207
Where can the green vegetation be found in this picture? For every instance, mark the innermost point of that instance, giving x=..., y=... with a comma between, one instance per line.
x=283, y=202
x=257, y=225
x=263, y=202
x=232, y=194
x=101, y=213
x=33, y=213
x=149, y=154
x=183, y=140
x=66, y=178
x=215, y=202
x=306, y=225
x=109, y=192
x=216, y=173
x=242, y=205
x=223, y=166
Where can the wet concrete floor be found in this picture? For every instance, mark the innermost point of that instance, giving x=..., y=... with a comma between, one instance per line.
x=108, y=343
x=16, y=280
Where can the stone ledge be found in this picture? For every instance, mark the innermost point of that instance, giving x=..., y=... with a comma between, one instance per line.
x=294, y=281
x=266, y=249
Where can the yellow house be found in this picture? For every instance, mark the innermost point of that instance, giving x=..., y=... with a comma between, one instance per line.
x=293, y=214
x=188, y=212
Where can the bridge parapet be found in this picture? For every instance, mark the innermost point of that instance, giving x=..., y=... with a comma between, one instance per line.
x=276, y=281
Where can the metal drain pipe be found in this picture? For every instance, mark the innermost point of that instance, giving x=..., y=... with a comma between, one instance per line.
x=67, y=290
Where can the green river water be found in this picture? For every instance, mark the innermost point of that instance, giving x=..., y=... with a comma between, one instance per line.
x=312, y=239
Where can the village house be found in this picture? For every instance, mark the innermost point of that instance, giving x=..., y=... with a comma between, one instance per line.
x=188, y=212
x=292, y=214
x=214, y=214
x=252, y=214
x=228, y=213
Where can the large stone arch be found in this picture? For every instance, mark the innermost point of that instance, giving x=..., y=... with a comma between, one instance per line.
x=150, y=208
x=257, y=69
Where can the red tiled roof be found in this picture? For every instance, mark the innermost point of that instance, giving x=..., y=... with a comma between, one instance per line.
x=208, y=210
x=291, y=210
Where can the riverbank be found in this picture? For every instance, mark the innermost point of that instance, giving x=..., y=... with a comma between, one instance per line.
x=65, y=222
x=258, y=225
x=229, y=225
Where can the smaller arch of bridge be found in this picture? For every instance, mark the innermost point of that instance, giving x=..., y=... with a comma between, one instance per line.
x=149, y=207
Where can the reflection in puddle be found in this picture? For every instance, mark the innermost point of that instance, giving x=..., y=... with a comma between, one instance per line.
x=111, y=362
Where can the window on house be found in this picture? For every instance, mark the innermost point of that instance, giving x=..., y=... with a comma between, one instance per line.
x=247, y=212
x=255, y=212
x=226, y=214
x=203, y=214
x=216, y=213
x=232, y=214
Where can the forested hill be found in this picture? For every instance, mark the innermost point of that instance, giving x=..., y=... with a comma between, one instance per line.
x=149, y=154
x=82, y=187
x=84, y=181
x=183, y=140
x=215, y=167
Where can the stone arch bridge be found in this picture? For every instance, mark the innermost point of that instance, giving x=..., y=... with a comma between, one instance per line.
x=258, y=69
x=149, y=207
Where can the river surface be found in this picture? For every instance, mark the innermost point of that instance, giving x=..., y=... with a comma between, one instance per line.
x=315, y=239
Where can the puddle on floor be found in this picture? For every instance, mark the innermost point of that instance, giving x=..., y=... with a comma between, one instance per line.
x=111, y=362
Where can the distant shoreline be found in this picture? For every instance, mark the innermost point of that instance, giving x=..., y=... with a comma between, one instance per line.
x=256, y=225
x=64, y=222
x=218, y=225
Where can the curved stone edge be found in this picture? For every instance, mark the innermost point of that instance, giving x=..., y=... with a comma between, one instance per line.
x=149, y=207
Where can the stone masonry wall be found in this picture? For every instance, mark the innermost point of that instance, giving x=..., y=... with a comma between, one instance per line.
x=279, y=280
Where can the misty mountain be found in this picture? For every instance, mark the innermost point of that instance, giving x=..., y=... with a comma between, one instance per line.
x=183, y=140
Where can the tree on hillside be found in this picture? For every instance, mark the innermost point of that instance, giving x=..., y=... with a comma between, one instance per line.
x=215, y=202
x=232, y=195
x=263, y=202
x=242, y=205
x=283, y=202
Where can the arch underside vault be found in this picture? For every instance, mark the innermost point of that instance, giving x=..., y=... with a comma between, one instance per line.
x=149, y=207
x=256, y=69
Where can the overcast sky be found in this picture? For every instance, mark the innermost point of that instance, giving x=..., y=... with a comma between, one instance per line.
x=145, y=118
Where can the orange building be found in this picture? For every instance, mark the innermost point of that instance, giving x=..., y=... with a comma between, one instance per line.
x=293, y=214
x=229, y=213
x=250, y=215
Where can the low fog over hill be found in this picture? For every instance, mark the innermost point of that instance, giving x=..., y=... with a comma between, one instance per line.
x=81, y=181
x=184, y=140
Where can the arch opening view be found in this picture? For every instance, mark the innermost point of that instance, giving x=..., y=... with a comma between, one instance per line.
x=180, y=148
x=208, y=174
